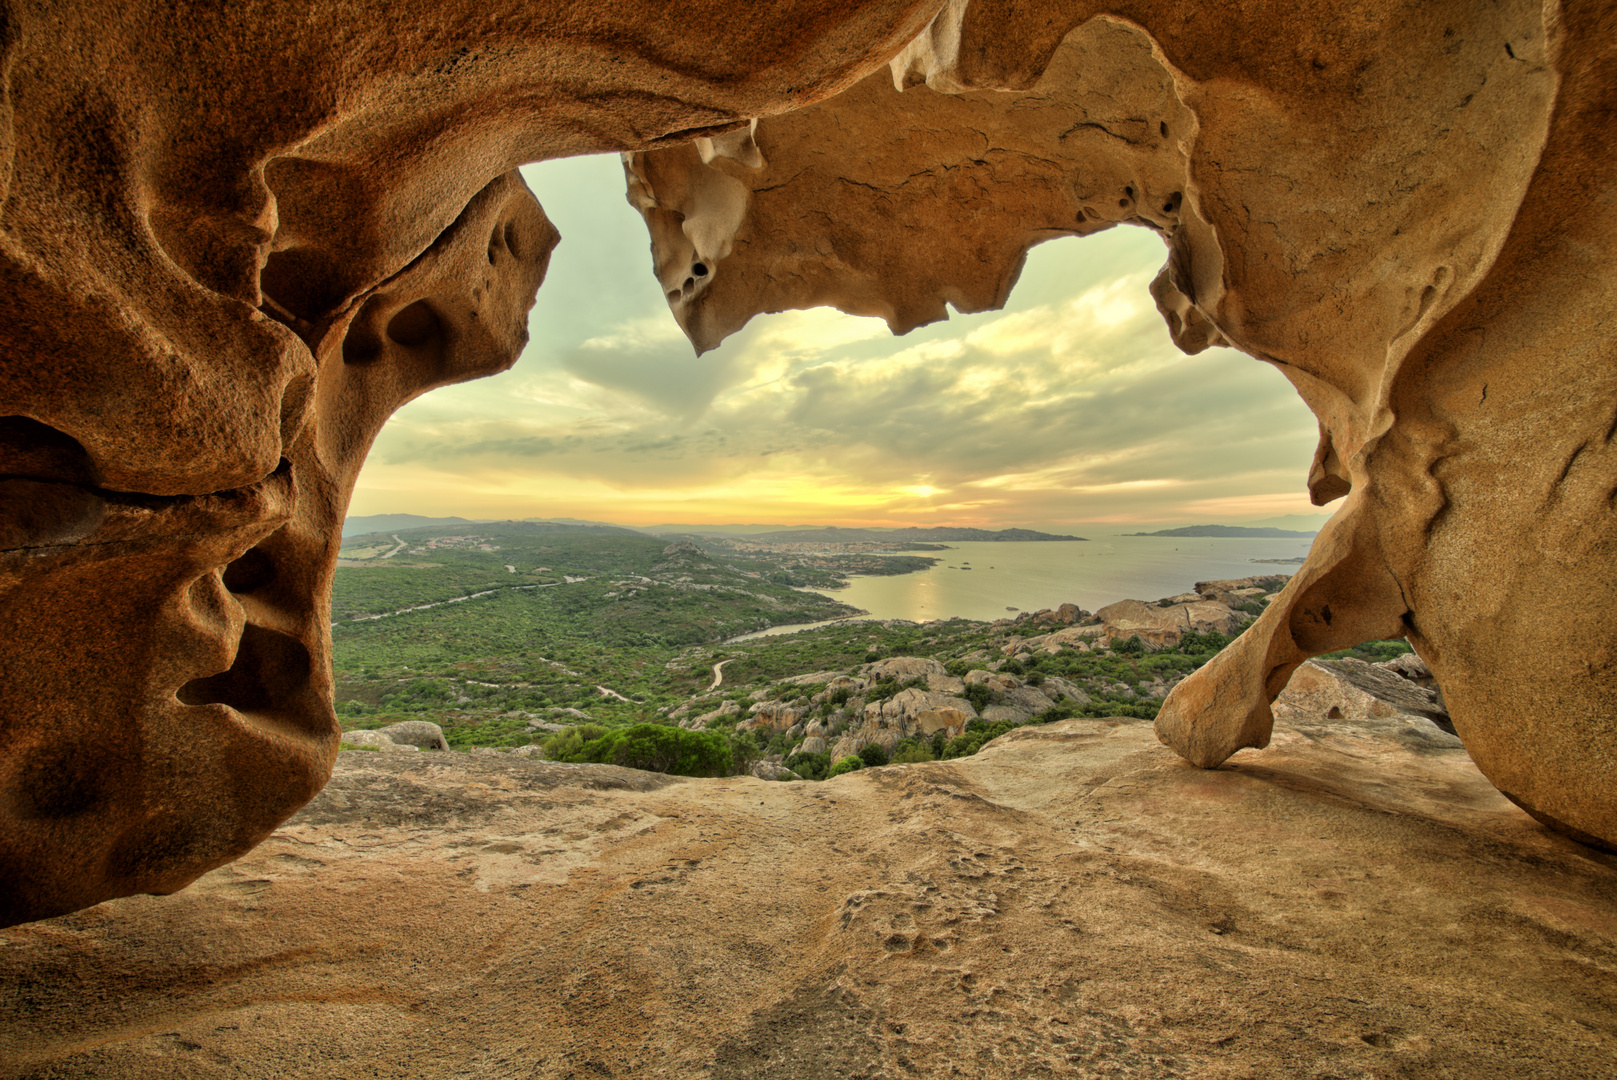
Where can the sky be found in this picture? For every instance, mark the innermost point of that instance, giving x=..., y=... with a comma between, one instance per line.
x=1070, y=407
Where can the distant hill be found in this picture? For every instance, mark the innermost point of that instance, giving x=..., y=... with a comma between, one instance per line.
x=359, y=526
x=1229, y=530
x=834, y=535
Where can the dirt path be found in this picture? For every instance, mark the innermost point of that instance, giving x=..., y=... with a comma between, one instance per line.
x=718, y=674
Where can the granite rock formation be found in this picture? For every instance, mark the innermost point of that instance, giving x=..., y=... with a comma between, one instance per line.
x=233, y=239
x=1071, y=902
x=1405, y=207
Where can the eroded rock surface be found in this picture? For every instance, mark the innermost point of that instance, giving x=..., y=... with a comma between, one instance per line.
x=232, y=241
x=1073, y=901
x=1409, y=215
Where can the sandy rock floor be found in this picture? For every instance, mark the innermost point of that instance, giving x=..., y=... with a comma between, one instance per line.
x=1355, y=901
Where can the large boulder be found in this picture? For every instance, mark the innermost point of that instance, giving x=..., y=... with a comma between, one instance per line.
x=773, y=716
x=422, y=734
x=1164, y=624
x=374, y=740
x=1402, y=275
x=1349, y=689
x=905, y=668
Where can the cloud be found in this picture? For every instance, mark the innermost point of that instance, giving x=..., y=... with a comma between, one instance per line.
x=1071, y=405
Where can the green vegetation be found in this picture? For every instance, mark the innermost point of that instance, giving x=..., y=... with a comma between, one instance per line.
x=1373, y=652
x=596, y=641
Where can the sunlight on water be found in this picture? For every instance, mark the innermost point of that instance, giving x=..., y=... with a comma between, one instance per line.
x=1008, y=577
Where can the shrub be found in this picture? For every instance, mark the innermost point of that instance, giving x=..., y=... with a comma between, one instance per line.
x=957, y=668
x=976, y=734
x=562, y=745
x=911, y=751
x=846, y=765
x=1193, y=642
x=1132, y=647
x=1012, y=666
x=656, y=748
x=981, y=695
x=809, y=766
x=873, y=755
x=744, y=751
x=839, y=697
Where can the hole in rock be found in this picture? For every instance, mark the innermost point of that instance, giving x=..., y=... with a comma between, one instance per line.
x=1333, y=713
x=699, y=269
x=1163, y=127
x=510, y=234
x=415, y=325
x=270, y=680
x=39, y=451
x=249, y=573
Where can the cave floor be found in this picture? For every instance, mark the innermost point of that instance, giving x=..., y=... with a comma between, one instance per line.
x=1074, y=901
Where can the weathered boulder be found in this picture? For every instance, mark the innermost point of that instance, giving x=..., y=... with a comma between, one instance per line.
x=700, y=723
x=813, y=744
x=1475, y=517
x=374, y=740
x=1058, y=689
x=221, y=269
x=418, y=733
x=912, y=713
x=1355, y=690
x=1160, y=625
x=905, y=668
x=773, y=716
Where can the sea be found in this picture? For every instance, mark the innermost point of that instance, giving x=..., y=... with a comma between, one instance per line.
x=996, y=579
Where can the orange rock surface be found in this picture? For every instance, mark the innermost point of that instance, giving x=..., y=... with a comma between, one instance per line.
x=1405, y=207
x=1074, y=901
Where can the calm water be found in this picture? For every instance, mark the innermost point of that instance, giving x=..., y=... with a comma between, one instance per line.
x=1090, y=573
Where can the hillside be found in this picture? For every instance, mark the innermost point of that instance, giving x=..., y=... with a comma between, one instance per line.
x=1228, y=530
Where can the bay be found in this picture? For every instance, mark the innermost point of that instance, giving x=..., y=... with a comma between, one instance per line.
x=1006, y=577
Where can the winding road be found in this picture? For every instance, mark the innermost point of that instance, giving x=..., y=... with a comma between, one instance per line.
x=718, y=674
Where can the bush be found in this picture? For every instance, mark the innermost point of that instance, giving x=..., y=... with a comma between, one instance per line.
x=911, y=751
x=743, y=751
x=809, y=766
x=1373, y=651
x=564, y=744
x=657, y=748
x=848, y=764
x=1193, y=642
x=839, y=697
x=1132, y=647
x=976, y=734
x=981, y=695
x=1012, y=666
x=873, y=755
x=957, y=668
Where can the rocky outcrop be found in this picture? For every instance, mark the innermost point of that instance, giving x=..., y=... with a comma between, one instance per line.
x=1356, y=690
x=220, y=271
x=374, y=740
x=773, y=716
x=912, y=713
x=422, y=734
x=225, y=264
x=1163, y=624
x=1433, y=285
x=1073, y=901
